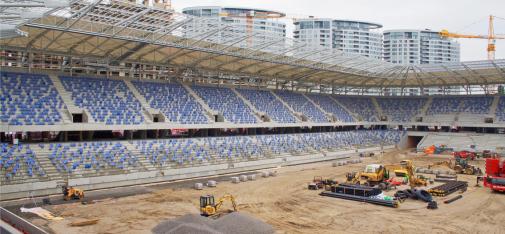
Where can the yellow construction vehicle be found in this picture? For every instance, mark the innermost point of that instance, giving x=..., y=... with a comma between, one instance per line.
x=407, y=170
x=72, y=193
x=209, y=207
x=374, y=174
x=459, y=165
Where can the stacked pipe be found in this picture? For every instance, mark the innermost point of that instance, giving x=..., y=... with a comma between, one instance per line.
x=448, y=188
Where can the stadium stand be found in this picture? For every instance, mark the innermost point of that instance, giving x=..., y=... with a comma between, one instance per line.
x=401, y=109
x=159, y=153
x=443, y=105
x=173, y=100
x=18, y=164
x=300, y=104
x=226, y=102
x=88, y=159
x=362, y=106
x=264, y=100
x=108, y=101
x=475, y=105
x=500, y=110
x=29, y=99
x=329, y=105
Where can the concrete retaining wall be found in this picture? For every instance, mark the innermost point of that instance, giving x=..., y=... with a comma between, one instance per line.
x=15, y=191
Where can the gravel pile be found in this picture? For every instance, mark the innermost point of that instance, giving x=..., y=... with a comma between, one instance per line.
x=233, y=223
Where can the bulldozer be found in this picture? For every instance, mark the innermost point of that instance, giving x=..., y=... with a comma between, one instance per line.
x=406, y=169
x=71, y=193
x=209, y=207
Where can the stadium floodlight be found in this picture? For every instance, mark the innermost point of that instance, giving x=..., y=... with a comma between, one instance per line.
x=56, y=3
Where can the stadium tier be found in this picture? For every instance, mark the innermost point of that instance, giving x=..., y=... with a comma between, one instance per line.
x=173, y=100
x=362, y=106
x=331, y=106
x=226, y=102
x=500, y=110
x=108, y=101
x=29, y=99
x=265, y=101
x=33, y=99
x=401, y=109
x=301, y=104
x=27, y=162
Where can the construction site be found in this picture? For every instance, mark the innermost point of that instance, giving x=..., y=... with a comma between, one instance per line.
x=143, y=116
x=286, y=204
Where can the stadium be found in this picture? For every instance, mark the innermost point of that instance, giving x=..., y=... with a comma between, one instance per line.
x=115, y=100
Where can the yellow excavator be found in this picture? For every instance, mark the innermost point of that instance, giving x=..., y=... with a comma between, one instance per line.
x=406, y=169
x=209, y=207
x=70, y=193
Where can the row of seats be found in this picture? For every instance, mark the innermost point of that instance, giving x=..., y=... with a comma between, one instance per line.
x=28, y=99
x=401, y=110
x=173, y=100
x=31, y=99
x=96, y=156
x=500, y=109
x=452, y=105
x=14, y=159
x=108, y=101
x=300, y=104
x=329, y=105
x=363, y=106
x=226, y=102
x=265, y=101
x=89, y=158
x=178, y=151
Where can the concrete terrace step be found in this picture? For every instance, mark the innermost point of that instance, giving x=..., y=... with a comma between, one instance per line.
x=257, y=113
x=209, y=112
x=353, y=115
x=148, y=118
x=494, y=105
x=293, y=112
x=377, y=107
x=318, y=107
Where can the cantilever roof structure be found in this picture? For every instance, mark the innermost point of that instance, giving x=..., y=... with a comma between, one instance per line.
x=118, y=31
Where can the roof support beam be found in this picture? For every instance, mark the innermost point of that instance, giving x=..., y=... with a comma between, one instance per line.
x=268, y=59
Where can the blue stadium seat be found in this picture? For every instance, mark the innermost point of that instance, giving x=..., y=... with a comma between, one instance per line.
x=29, y=99
x=174, y=101
x=108, y=101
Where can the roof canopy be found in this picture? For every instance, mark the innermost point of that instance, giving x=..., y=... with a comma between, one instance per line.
x=119, y=31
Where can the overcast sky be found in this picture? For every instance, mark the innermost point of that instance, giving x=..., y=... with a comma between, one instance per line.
x=462, y=16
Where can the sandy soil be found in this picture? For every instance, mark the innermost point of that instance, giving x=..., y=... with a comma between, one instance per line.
x=286, y=204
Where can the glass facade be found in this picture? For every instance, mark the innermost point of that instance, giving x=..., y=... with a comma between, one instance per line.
x=351, y=37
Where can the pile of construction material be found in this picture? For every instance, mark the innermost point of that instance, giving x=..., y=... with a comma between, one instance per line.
x=435, y=171
x=233, y=223
x=449, y=188
x=361, y=193
x=345, y=162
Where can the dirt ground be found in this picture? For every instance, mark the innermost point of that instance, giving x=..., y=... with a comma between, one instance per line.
x=285, y=203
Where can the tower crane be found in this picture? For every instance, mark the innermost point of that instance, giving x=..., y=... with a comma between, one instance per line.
x=491, y=37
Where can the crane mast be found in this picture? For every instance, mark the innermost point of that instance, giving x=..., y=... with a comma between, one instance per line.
x=491, y=37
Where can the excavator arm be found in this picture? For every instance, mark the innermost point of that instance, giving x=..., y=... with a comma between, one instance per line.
x=226, y=198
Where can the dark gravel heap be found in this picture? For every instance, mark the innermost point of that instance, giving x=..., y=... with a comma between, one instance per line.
x=233, y=223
